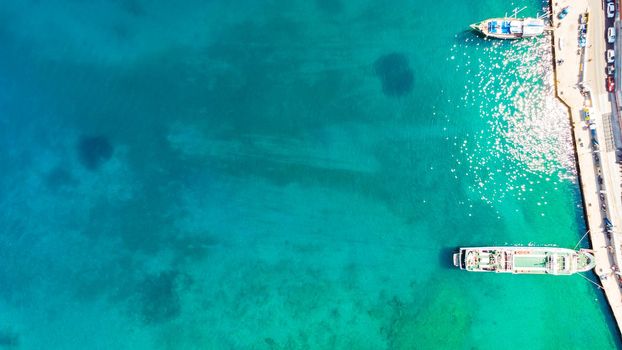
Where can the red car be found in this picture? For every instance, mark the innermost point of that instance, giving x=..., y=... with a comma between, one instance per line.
x=610, y=84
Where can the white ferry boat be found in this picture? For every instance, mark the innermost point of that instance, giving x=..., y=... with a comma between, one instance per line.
x=524, y=260
x=510, y=27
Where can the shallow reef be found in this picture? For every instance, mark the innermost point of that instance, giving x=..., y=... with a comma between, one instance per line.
x=93, y=151
x=8, y=339
x=395, y=73
x=59, y=178
x=158, y=298
x=413, y=324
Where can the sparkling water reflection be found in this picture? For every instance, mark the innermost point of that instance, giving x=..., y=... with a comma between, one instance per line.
x=527, y=136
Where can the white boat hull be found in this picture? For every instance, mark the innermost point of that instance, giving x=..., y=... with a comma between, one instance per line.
x=509, y=28
x=524, y=260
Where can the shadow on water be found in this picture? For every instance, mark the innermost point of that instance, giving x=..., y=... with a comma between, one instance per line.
x=471, y=37
x=579, y=214
x=470, y=34
x=445, y=257
x=606, y=310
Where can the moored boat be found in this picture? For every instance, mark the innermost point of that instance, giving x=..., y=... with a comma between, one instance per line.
x=524, y=260
x=510, y=27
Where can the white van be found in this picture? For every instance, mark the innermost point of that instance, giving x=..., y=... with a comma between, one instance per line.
x=611, y=55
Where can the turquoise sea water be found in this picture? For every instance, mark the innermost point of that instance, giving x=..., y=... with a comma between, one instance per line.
x=280, y=175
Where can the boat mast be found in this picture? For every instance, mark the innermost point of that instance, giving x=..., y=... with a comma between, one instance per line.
x=546, y=14
x=592, y=282
x=579, y=242
x=517, y=11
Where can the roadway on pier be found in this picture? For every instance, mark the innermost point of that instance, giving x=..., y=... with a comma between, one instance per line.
x=599, y=172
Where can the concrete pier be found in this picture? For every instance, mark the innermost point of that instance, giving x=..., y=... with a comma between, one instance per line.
x=580, y=75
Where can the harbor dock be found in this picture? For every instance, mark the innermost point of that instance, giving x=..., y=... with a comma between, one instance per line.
x=580, y=77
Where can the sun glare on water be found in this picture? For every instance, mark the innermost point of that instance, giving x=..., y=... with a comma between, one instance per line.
x=526, y=138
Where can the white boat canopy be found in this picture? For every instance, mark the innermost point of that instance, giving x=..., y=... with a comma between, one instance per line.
x=533, y=26
x=516, y=27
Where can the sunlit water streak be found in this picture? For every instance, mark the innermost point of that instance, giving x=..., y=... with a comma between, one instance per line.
x=527, y=137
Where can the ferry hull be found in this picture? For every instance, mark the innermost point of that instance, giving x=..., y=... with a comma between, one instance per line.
x=524, y=260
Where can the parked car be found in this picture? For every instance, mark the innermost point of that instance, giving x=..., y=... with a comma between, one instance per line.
x=611, y=10
x=563, y=12
x=611, y=35
x=582, y=42
x=611, y=55
x=610, y=84
x=583, y=18
x=611, y=69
